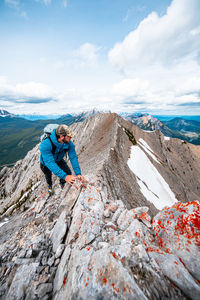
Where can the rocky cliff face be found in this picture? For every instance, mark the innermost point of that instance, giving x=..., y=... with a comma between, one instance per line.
x=112, y=236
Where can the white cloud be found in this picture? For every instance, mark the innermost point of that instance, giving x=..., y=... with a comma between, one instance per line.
x=160, y=59
x=163, y=40
x=30, y=92
x=87, y=54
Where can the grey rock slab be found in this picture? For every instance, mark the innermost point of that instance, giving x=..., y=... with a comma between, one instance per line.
x=43, y=289
x=62, y=269
x=59, y=231
x=21, y=281
x=117, y=214
x=177, y=273
x=40, y=205
x=125, y=219
x=59, y=250
x=100, y=274
x=51, y=261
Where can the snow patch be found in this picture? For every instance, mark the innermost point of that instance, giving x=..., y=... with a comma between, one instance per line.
x=146, y=147
x=5, y=221
x=153, y=186
x=167, y=138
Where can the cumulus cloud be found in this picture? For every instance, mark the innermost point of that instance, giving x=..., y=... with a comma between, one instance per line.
x=31, y=92
x=160, y=58
x=87, y=54
x=164, y=40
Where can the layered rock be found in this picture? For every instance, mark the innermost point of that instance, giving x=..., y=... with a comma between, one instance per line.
x=81, y=245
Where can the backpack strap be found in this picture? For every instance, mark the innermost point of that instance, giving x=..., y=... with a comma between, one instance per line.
x=53, y=146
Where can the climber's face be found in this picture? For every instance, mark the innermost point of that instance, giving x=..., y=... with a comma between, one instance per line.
x=67, y=139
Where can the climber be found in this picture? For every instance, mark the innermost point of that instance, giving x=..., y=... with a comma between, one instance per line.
x=53, y=150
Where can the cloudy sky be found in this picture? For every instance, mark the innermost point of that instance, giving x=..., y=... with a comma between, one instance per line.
x=61, y=56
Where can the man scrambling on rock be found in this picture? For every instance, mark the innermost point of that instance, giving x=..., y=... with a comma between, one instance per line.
x=53, y=149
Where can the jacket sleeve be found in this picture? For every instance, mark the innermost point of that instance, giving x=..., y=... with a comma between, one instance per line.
x=49, y=161
x=73, y=158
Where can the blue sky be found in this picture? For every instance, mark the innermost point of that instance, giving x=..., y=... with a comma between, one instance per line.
x=59, y=56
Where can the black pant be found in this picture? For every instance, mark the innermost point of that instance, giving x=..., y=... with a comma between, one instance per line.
x=48, y=174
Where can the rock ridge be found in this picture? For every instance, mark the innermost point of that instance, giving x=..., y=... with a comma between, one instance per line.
x=79, y=244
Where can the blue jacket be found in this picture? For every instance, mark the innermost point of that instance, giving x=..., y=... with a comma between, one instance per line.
x=50, y=160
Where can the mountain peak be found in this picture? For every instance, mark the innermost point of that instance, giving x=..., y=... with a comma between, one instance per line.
x=5, y=113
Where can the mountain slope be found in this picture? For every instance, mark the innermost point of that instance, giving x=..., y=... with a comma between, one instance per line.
x=103, y=144
x=106, y=238
x=187, y=130
x=183, y=125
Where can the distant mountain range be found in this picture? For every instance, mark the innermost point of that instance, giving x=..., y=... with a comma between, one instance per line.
x=19, y=135
x=188, y=130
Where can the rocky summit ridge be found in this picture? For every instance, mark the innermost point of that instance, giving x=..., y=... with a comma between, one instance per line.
x=106, y=238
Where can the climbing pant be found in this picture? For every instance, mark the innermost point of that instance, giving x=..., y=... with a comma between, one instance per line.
x=48, y=174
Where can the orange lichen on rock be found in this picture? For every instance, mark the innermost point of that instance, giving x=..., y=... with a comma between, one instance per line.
x=137, y=234
x=179, y=226
x=114, y=255
x=104, y=281
x=158, y=250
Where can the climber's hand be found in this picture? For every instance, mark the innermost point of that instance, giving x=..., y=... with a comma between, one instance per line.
x=81, y=178
x=70, y=179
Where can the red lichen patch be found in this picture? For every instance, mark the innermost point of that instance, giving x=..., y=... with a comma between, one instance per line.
x=173, y=284
x=167, y=250
x=86, y=284
x=104, y=281
x=137, y=234
x=115, y=289
x=88, y=248
x=144, y=216
x=89, y=199
x=185, y=224
x=158, y=250
x=144, y=242
x=182, y=262
x=176, y=262
x=64, y=282
x=114, y=255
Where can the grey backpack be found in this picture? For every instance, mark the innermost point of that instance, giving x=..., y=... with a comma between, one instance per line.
x=48, y=129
